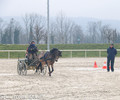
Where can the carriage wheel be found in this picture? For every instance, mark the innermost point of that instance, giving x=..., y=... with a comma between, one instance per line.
x=21, y=68
x=24, y=70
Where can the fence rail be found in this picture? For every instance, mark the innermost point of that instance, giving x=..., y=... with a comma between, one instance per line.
x=70, y=52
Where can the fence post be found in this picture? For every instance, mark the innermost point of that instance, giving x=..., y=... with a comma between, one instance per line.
x=8, y=54
x=85, y=53
x=99, y=53
x=71, y=54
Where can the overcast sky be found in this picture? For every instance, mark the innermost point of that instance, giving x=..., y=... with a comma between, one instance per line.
x=102, y=9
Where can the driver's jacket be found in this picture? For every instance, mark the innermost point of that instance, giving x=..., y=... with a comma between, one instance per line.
x=32, y=49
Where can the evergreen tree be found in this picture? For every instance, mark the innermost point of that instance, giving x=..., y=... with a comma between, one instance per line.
x=16, y=36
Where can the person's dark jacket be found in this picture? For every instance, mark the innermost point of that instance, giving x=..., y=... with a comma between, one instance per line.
x=32, y=49
x=111, y=52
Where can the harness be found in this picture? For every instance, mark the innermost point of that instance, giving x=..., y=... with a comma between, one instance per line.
x=44, y=57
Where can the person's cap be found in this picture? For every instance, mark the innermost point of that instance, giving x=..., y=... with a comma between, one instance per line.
x=32, y=41
x=112, y=44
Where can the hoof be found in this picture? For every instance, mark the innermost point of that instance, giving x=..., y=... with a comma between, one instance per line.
x=37, y=72
x=49, y=74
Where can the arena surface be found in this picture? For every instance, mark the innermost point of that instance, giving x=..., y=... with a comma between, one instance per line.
x=73, y=79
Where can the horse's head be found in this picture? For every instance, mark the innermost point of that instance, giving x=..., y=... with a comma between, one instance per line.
x=60, y=53
x=56, y=53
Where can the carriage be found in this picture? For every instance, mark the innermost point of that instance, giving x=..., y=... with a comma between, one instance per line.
x=23, y=65
x=40, y=63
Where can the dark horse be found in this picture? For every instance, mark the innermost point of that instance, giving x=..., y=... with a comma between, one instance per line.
x=49, y=59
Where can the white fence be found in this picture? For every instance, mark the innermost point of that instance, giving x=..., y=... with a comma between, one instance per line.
x=70, y=52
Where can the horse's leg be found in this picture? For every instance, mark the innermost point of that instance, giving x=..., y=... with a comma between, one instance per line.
x=37, y=67
x=40, y=65
x=49, y=70
x=52, y=68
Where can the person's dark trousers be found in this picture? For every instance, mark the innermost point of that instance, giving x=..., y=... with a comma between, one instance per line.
x=32, y=55
x=112, y=64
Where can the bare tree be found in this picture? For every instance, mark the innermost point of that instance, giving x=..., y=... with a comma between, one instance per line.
x=11, y=30
x=39, y=28
x=63, y=28
x=92, y=30
x=78, y=35
x=53, y=33
x=8, y=34
x=2, y=26
x=29, y=21
x=114, y=36
x=32, y=18
x=118, y=37
x=26, y=22
x=109, y=33
x=17, y=33
x=35, y=26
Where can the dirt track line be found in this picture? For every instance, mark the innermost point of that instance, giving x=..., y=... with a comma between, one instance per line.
x=6, y=74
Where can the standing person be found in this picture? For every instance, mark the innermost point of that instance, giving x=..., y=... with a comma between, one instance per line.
x=111, y=51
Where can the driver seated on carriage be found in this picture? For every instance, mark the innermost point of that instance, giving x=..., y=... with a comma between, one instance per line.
x=32, y=51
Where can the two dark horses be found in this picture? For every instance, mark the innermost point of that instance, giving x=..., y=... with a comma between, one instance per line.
x=49, y=59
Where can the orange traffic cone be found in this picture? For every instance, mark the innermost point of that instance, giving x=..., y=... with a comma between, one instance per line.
x=104, y=66
x=95, y=65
